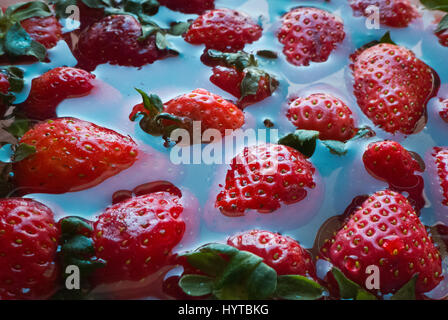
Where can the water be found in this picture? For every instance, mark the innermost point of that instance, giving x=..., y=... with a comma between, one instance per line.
x=340, y=178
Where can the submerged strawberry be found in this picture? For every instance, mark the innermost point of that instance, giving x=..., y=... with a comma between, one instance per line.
x=392, y=87
x=224, y=30
x=386, y=232
x=262, y=177
x=189, y=6
x=28, y=243
x=71, y=155
x=45, y=30
x=310, y=35
x=324, y=113
x=393, y=13
x=51, y=88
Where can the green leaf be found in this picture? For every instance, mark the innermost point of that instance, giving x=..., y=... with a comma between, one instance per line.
x=196, y=285
x=261, y=283
x=79, y=245
x=364, y=295
x=141, y=8
x=19, y=43
x=240, y=60
x=23, y=151
x=443, y=24
x=238, y=268
x=336, y=147
x=19, y=127
x=436, y=4
x=219, y=248
x=161, y=41
x=250, y=83
x=152, y=103
x=26, y=10
x=364, y=132
x=267, y=54
x=72, y=226
x=179, y=28
x=60, y=7
x=148, y=30
x=301, y=140
x=349, y=289
x=210, y=263
x=296, y=287
x=407, y=292
x=386, y=38
x=15, y=77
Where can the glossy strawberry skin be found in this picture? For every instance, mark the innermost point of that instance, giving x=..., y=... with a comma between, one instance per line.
x=47, y=30
x=51, y=88
x=189, y=6
x=324, y=113
x=392, y=87
x=282, y=253
x=389, y=161
x=386, y=232
x=310, y=35
x=135, y=237
x=28, y=243
x=115, y=39
x=440, y=156
x=71, y=155
x=393, y=13
x=262, y=177
x=231, y=30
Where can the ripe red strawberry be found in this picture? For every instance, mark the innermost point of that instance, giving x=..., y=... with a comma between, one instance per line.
x=115, y=39
x=389, y=161
x=386, y=232
x=393, y=13
x=71, y=155
x=440, y=157
x=443, y=37
x=282, y=253
x=444, y=110
x=310, y=35
x=224, y=30
x=47, y=30
x=28, y=243
x=51, y=88
x=262, y=177
x=189, y=6
x=136, y=236
x=324, y=113
x=392, y=87
x=213, y=111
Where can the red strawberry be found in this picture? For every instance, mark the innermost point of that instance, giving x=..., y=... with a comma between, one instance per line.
x=28, y=243
x=224, y=30
x=136, y=236
x=444, y=110
x=324, y=113
x=211, y=110
x=51, y=88
x=282, y=253
x=47, y=30
x=392, y=87
x=389, y=161
x=71, y=155
x=440, y=157
x=116, y=39
x=264, y=176
x=310, y=35
x=189, y=6
x=4, y=83
x=443, y=37
x=386, y=232
x=393, y=13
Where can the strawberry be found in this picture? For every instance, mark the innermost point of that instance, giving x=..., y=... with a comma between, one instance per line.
x=443, y=37
x=47, y=30
x=99, y=44
x=11, y=81
x=211, y=110
x=136, y=236
x=4, y=83
x=51, y=88
x=393, y=13
x=392, y=87
x=386, y=232
x=389, y=161
x=282, y=253
x=262, y=177
x=189, y=6
x=444, y=110
x=71, y=155
x=28, y=243
x=224, y=30
x=324, y=113
x=310, y=35
x=440, y=157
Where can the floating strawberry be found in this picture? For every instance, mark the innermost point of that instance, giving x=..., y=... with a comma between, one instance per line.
x=440, y=157
x=393, y=13
x=71, y=155
x=211, y=110
x=230, y=30
x=51, y=88
x=324, y=113
x=189, y=6
x=386, y=232
x=310, y=35
x=392, y=87
x=28, y=243
x=262, y=177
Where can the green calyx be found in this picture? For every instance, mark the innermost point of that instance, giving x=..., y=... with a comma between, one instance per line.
x=441, y=5
x=16, y=84
x=14, y=40
x=248, y=64
x=229, y=273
